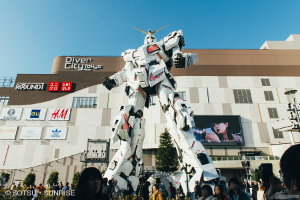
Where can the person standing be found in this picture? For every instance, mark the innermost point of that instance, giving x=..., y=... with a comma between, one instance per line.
x=290, y=170
x=197, y=190
x=219, y=193
x=236, y=192
x=172, y=191
x=145, y=190
x=89, y=185
x=157, y=194
x=207, y=193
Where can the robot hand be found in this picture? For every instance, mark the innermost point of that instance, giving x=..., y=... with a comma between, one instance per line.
x=109, y=83
x=179, y=61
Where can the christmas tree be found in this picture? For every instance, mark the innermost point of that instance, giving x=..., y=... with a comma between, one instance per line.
x=166, y=154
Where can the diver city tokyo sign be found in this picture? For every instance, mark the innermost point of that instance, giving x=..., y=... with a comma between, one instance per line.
x=81, y=64
x=11, y=113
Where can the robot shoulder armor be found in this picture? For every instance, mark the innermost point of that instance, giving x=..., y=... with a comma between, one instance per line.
x=127, y=55
x=172, y=39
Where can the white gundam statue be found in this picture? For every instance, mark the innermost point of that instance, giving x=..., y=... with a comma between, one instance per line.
x=147, y=73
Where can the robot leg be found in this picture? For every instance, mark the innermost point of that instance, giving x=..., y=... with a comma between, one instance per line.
x=191, y=153
x=130, y=129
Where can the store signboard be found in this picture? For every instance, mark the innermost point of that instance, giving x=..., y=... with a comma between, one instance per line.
x=35, y=114
x=56, y=133
x=31, y=133
x=29, y=86
x=8, y=133
x=59, y=114
x=81, y=64
x=11, y=113
x=53, y=86
x=66, y=86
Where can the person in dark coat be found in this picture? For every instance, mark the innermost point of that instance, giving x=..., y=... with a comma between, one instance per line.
x=172, y=190
x=197, y=190
x=236, y=192
x=89, y=186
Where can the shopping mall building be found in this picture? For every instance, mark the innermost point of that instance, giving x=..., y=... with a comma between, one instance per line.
x=46, y=119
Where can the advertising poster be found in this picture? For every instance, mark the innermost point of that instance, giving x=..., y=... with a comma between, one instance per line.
x=218, y=130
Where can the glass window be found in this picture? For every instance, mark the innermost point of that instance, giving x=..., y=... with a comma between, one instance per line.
x=277, y=134
x=265, y=82
x=273, y=112
x=84, y=102
x=183, y=95
x=4, y=100
x=242, y=96
x=152, y=101
x=269, y=96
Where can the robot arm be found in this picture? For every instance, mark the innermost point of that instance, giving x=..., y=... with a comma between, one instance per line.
x=174, y=43
x=116, y=79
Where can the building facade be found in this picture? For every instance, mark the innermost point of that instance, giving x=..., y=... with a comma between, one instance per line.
x=46, y=119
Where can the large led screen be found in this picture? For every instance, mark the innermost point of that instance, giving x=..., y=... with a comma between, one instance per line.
x=218, y=130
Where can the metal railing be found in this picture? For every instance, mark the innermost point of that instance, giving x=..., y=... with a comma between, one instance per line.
x=7, y=81
x=233, y=158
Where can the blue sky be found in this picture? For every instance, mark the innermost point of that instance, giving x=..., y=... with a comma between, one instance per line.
x=33, y=32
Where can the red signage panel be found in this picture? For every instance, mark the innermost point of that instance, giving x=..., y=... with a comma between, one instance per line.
x=66, y=86
x=53, y=86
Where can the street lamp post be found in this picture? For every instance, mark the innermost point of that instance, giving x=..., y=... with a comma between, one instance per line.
x=187, y=181
x=291, y=94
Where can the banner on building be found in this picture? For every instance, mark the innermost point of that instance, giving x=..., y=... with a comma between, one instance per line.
x=35, y=113
x=56, y=133
x=11, y=113
x=31, y=133
x=8, y=133
x=59, y=114
x=219, y=130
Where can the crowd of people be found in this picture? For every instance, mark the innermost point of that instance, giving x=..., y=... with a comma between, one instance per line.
x=92, y=186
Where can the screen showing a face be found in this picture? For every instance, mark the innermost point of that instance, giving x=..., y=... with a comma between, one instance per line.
x=218, y=130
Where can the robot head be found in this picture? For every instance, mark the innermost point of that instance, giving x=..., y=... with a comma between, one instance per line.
x=150, y=38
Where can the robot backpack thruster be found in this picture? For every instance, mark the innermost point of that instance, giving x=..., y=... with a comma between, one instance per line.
x=147, y=73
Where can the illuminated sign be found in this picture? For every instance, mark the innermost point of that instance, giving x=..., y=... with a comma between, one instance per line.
x=81, y=64
x=53, y=86
x=31, y=133
x=35, y=114
x=59, y=114
x=56, y=133
x=66, y=86
x=218, y=130
x=30, y=86
x=8, y=133
x=11, y=113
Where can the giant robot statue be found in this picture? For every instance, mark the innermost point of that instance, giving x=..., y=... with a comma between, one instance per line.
x=147, y=73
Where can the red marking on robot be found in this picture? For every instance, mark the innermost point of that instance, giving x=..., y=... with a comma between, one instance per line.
x=135, y=78
x=126, y=126
x=159, y=56
x=129, y=157
x=167, y=87
x=193, y=144
x=140, y=90
x=152, y=48
x=152, y=78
